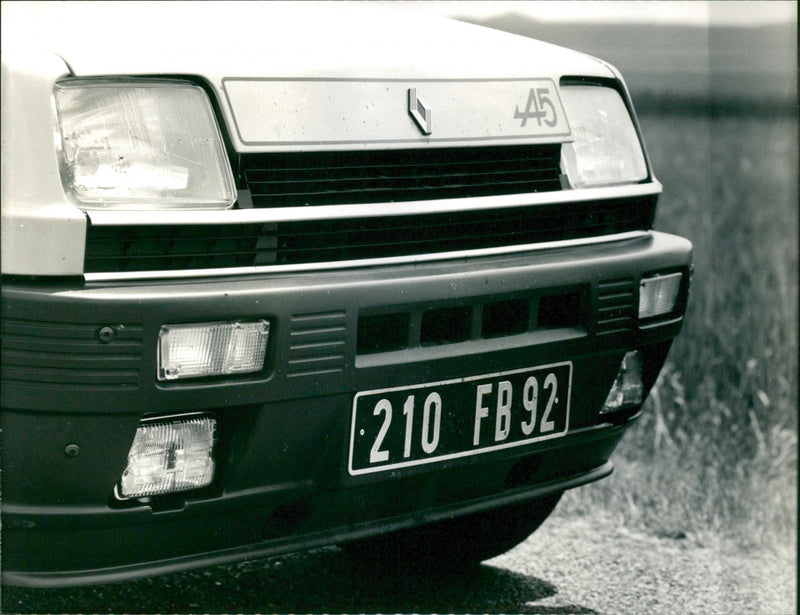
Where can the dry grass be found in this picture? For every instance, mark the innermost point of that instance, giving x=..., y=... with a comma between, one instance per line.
x=715, y=454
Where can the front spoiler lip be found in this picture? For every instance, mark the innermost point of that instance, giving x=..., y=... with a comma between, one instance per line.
x=291, y=544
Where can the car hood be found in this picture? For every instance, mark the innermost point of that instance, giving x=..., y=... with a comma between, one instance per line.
x=322, y=75
x=293, y=40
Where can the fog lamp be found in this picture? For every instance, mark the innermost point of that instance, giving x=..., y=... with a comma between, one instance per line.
x=657, y=295
x=627, y=390
x=211, y=349
x=170, y=455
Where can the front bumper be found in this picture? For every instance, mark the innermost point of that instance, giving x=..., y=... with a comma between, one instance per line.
x=282, y=482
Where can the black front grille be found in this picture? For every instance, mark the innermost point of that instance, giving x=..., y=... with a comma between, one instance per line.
x=154, y=248
x=328, y=178
x=392, y=236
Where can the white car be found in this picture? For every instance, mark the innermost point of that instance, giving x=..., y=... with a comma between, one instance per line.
x=281, y=276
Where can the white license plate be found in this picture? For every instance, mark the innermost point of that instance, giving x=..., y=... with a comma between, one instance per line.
x=436, y=421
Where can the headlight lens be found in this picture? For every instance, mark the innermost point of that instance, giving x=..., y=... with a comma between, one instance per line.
x=145, y=145
x=606, y=149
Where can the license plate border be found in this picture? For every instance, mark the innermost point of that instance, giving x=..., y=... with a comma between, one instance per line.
x=457, y=455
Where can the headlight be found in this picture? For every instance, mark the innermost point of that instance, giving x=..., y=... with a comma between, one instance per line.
x=141, y=145
x=606, y=149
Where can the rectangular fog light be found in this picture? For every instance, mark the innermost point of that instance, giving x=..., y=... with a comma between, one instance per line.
x=628, y=389
x=658, y=294
x=170, y=455
x=211, y=349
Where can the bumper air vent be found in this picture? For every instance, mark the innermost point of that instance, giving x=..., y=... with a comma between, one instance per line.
x=318, y=344
x=616, y=307
x=471, y=319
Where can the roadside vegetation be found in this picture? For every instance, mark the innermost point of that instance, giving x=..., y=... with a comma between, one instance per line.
x=714, y=456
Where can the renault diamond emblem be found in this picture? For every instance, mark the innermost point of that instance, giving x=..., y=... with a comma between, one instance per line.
x=419, y=110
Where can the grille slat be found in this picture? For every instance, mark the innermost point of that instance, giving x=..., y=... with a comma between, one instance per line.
x=315, y=192
x=276, y=187
x=280, y=171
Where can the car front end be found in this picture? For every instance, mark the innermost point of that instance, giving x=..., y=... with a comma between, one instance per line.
x=328, y=287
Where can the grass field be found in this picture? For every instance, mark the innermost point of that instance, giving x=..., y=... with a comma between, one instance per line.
x=715, y=454
x=714, y=457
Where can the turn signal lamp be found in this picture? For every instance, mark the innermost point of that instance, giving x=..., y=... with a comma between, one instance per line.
x=627, y=390
x=211, y=349
x=658, y=294
x=168, y=456
x=145, y=144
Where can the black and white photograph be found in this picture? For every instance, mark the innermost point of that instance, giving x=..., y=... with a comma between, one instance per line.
x=405, y=307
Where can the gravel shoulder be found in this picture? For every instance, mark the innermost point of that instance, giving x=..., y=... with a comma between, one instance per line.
x=598, y=567
x=570, y=565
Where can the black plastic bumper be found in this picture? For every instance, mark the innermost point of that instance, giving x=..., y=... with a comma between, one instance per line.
x=72, y=397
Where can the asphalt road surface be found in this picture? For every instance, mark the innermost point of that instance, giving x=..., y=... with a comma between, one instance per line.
x=570, y=565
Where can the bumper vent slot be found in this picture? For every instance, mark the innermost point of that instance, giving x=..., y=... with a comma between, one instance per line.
x=445, y=326
x=616, y=307
x=383, y=332
x=505, y=318
x=317, y=344
x=71, y=355
x=335, y=178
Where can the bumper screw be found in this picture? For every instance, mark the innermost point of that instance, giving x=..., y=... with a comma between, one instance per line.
x=105, y=334
x=72, y=450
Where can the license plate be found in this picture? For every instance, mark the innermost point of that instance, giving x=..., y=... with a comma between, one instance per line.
x=436, y=421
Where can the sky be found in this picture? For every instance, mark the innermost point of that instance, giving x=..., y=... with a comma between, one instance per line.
x=690, y=12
